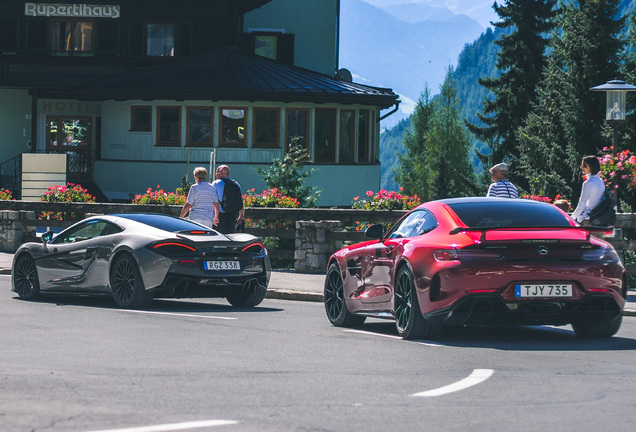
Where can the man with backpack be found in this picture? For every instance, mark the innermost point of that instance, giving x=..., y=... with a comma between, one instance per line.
x=230, y=200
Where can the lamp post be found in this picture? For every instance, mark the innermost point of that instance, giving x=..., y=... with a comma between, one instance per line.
x=616, y=92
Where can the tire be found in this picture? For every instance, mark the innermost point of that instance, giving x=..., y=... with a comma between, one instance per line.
x=335, y=304
x=599, y=330
x=408, y=317
x=25, y=278
x=127, y=285
x=250, y=295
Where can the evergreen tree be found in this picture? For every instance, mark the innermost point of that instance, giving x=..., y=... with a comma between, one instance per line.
x=628, y=73
x=437, y=163
x=521, y=62
x=566, y=122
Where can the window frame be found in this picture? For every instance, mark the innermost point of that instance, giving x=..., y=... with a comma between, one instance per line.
x=210, y=142
x=352, y=131
x=72, y=52
x=307, y=137
x=255, y=143
x=159, y=142
x=363, y=146
x=146, y=40
x=237, y=144
x=332, y=136
x=133, y=124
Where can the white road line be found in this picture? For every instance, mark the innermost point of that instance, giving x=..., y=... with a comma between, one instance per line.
x=389, y=336
x=176, y=314
x=174, y=426
x=478, y=376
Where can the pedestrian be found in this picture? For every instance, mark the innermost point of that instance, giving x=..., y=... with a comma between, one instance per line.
x=501, y=186
x=230, y=197
x=591, y=192
x=202, y=201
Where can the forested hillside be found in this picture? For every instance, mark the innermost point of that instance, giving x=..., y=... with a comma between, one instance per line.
x=476, y=60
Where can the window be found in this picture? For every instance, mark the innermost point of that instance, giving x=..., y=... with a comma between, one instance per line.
x=346, y=135
x=199, y=120
x=160, y=39
x=232, y=133
x=87, y=230
x=363, y=136
x=168, y=126
x=417, y=223
x=108, y=37
x=8, y=35
x=274, y=45
x=141, y=118
x=72, y=36
x=297, y=127
x=266, y=127
x=325, y=135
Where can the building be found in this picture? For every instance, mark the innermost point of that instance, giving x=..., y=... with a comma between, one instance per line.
x=138, y=93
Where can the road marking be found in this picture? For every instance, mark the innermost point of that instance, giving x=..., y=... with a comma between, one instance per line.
x=390, y=337
x=174, y=426
x=176, y=314
x=478, y=376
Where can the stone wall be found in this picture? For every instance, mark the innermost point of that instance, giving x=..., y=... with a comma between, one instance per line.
x=14, y=229
x=313, y=246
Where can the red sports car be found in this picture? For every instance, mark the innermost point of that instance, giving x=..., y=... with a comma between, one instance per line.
x=479, y=261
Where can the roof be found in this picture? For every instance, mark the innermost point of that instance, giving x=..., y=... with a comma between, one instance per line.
x=229, y=74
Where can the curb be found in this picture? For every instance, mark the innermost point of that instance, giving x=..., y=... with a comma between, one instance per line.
x=5, y=271
x=294, y=295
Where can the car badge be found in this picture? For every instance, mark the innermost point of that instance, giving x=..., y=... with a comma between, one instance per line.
x=542, y=250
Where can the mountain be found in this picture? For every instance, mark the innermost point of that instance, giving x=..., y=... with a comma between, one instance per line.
x=402, y=46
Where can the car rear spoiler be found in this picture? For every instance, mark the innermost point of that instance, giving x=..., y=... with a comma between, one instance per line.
x=483, y=230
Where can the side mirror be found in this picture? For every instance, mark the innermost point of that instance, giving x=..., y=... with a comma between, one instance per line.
x=47, y=236
x=375, y=231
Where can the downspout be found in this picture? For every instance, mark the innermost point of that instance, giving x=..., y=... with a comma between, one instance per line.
x=337, y=36
x=397, y=106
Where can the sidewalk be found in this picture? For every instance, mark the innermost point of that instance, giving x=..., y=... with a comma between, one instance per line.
x=289, y=285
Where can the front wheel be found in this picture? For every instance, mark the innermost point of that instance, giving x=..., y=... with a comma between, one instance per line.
x=408, y=317
x=600, y=330
x=335, y=304
x=25, y=278
x=127, y=285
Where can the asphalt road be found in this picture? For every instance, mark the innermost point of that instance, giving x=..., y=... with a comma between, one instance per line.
x=80, y=364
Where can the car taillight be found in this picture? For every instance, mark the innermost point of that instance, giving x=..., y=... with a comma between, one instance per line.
x=172, y=248
x=601, y=254
x=465, y=255
x=255, y=248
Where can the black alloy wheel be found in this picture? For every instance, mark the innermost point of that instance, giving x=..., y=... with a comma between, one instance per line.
x=334, y=299
x=25, y=278
x=127, y=284
x=408, y=317
x=249, y=295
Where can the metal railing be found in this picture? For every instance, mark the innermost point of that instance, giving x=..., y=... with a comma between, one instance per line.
x=11, y=176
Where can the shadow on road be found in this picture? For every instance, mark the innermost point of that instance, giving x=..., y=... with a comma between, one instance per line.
x=514, y=338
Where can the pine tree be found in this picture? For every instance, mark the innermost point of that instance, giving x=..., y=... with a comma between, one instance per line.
x=566, y=122
x=521, y=62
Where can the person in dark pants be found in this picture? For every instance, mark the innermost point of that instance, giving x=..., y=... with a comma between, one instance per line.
x=230, y=197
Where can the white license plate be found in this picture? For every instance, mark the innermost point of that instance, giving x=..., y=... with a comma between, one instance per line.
x=222, y=265
x=543, y=290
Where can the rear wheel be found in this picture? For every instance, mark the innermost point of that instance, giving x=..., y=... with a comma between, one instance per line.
x=250, y=295
x=408, y=317
x=335, y=304
x=601, y=330
x=127, y=285
x=25, y=278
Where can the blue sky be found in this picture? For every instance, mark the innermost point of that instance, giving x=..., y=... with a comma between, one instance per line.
x=479, y=10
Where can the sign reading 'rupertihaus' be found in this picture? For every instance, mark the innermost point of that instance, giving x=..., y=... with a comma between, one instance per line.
x=71, y=10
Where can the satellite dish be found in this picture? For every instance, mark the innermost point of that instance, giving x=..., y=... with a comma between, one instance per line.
x=344, y=75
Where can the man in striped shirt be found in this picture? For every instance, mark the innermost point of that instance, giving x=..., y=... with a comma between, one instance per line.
x=501, y=186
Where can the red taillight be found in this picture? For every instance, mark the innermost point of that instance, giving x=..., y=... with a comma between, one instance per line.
x=254, y=248
x=599, y=290
x=173, y=248
x=465, y=255
x=481, y=291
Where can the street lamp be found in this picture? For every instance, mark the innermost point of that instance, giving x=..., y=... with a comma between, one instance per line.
x=616, y=91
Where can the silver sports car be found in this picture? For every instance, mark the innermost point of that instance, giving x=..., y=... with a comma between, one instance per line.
x=138, y=257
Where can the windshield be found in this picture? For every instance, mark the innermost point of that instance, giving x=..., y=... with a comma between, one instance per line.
x=164, y=222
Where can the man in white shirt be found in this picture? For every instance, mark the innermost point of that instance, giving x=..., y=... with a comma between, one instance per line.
x=501, y=186
x=592, y=191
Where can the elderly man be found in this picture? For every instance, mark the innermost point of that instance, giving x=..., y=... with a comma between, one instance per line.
x=501, y=186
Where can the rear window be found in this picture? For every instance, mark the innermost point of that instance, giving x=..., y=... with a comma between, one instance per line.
x=513, y=213
x=163, y=222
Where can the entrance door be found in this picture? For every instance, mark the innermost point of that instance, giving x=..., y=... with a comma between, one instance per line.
x=71, y=136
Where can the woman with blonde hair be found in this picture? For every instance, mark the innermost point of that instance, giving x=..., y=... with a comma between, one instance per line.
x=202, y=201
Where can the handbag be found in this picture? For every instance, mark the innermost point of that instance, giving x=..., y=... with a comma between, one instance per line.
x=603, y=214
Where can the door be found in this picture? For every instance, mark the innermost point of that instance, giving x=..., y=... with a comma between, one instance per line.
x=71, y=135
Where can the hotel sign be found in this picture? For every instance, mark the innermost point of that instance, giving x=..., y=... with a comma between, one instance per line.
x=71, y=10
